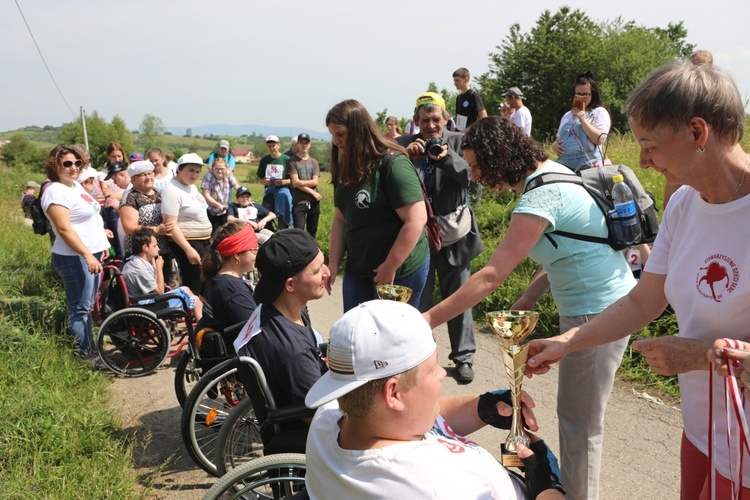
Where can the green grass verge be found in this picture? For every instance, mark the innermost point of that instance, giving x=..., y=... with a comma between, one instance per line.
x=59, y=438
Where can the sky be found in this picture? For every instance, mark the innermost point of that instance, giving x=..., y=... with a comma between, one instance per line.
x=287, y=62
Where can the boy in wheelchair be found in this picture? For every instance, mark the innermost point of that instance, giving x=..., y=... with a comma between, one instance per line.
x=143, y=273
x=390, y=433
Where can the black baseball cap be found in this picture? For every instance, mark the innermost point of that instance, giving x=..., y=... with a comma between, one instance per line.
x=303, y=137
x=243, y=190
x=115, y=168
x=285, y=254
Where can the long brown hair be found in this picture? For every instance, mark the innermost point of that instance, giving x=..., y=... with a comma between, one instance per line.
x=364, y=144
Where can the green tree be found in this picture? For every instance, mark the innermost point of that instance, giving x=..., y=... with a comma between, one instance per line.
x=100, y=134
x=194, y=146
x=21, y=153
x=544, y=63
x=152, y=128
x=380, y=118
x=188, y=132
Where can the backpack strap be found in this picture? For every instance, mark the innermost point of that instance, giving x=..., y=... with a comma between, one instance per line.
x=553, y=178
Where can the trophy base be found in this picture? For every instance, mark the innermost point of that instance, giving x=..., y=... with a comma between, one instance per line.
x=510, y=459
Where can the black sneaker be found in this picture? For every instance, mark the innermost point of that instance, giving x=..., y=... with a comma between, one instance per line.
x=464, y=372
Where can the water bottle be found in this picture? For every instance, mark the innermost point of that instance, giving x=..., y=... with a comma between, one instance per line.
x=627, y=214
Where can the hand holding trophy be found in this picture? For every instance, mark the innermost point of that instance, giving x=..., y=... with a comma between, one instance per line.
x=394, y=292
x=513, y=327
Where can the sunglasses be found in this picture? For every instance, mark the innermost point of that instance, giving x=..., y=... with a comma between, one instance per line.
x=68, y=163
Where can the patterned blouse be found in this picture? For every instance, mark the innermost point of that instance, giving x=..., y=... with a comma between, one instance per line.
x=221, y=191
x=149, y=214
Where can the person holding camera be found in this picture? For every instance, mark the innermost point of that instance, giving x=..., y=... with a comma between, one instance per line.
x=436, y=153
x=584, y=128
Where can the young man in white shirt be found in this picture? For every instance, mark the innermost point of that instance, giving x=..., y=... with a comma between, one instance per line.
x=521, y=116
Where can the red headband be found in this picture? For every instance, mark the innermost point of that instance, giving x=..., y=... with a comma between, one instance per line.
x=241, y=241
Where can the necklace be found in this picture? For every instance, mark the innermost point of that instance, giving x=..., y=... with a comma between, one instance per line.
x=744, y=171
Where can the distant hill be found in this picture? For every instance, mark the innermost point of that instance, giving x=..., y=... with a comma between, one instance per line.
x=249, y=129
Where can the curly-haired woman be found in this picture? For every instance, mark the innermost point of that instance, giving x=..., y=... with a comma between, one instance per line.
x=584, y=278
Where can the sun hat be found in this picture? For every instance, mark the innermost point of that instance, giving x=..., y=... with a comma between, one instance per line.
x=88, y=173
x=190, y=159
x=138, y=167
x=282, y=256
x=375, y=340
x=430, y=98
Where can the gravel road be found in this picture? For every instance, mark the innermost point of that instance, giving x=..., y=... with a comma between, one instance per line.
x=641, y=442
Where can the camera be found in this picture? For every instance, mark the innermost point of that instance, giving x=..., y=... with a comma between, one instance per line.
x=434, y=146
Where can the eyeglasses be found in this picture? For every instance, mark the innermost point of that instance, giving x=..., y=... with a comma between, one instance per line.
x=68, y=164
x=587, y=94
x=145, y=174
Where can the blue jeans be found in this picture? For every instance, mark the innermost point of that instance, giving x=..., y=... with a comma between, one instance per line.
x=80, y=292
x=357, y=290
x=282, y=203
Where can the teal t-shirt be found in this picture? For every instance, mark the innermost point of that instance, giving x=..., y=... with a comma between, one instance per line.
x=585, y=278
x=372, y=223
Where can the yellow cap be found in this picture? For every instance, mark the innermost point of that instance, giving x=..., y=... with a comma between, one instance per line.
x=617, y=178
x=430, y=98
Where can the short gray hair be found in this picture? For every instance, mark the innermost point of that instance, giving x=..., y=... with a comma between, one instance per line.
x=429, y=108
x=675, y=93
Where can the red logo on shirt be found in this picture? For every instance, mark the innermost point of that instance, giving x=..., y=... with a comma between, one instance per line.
x=719, y=276
x=87, y=198
x=452, y=447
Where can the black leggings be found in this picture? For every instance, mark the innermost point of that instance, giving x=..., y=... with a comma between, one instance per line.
x=190, y=273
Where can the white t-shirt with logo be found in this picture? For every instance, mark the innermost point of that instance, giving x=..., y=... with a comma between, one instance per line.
x=442, y=465
x=703, y=251
x=84, y=217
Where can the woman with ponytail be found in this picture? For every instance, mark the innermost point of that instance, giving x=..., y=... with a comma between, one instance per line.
x=228, y=299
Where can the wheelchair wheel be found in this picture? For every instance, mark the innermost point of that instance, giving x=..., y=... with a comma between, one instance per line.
x=271, y=477
x=206, y=409
x=133, y=342
x=239, y=439
x=186, y=375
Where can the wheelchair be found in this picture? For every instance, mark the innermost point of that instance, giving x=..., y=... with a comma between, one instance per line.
x=256, y=425
x=254, y=428
x=133, y=340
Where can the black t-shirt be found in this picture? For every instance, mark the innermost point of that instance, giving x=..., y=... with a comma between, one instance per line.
x=469, y=104
x=288, y=354
x=228, y=300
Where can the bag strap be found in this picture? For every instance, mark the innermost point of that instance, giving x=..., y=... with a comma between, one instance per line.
x=556, y=177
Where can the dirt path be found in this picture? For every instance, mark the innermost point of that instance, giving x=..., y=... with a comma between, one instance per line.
x=641, y=443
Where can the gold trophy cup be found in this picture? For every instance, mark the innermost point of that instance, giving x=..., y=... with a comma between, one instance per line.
x=394, y=292
x=513, y=327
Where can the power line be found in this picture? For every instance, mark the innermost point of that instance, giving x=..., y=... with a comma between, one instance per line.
x=43, y=60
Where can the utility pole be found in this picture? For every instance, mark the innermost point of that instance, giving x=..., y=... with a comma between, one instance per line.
x=85, y=134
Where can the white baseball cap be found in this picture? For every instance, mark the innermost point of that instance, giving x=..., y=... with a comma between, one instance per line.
x=88, y=173
x=376, y=339
x=190, y=159
x=272, y=138
x=138, y=167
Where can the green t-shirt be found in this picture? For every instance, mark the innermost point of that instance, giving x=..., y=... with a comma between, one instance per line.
x=372, y=223
x=273, y=167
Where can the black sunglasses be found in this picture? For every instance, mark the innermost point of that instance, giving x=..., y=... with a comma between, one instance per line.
x=68, y=163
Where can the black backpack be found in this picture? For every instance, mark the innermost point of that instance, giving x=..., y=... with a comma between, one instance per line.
x=39, y=222
x=597, y=181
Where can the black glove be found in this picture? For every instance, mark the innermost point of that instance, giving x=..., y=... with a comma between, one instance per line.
x=542, y=471
x=487, y=409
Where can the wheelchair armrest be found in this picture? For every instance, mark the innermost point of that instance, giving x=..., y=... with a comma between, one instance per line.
x=235, y=328
x=289, y=414
x=137, y=298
